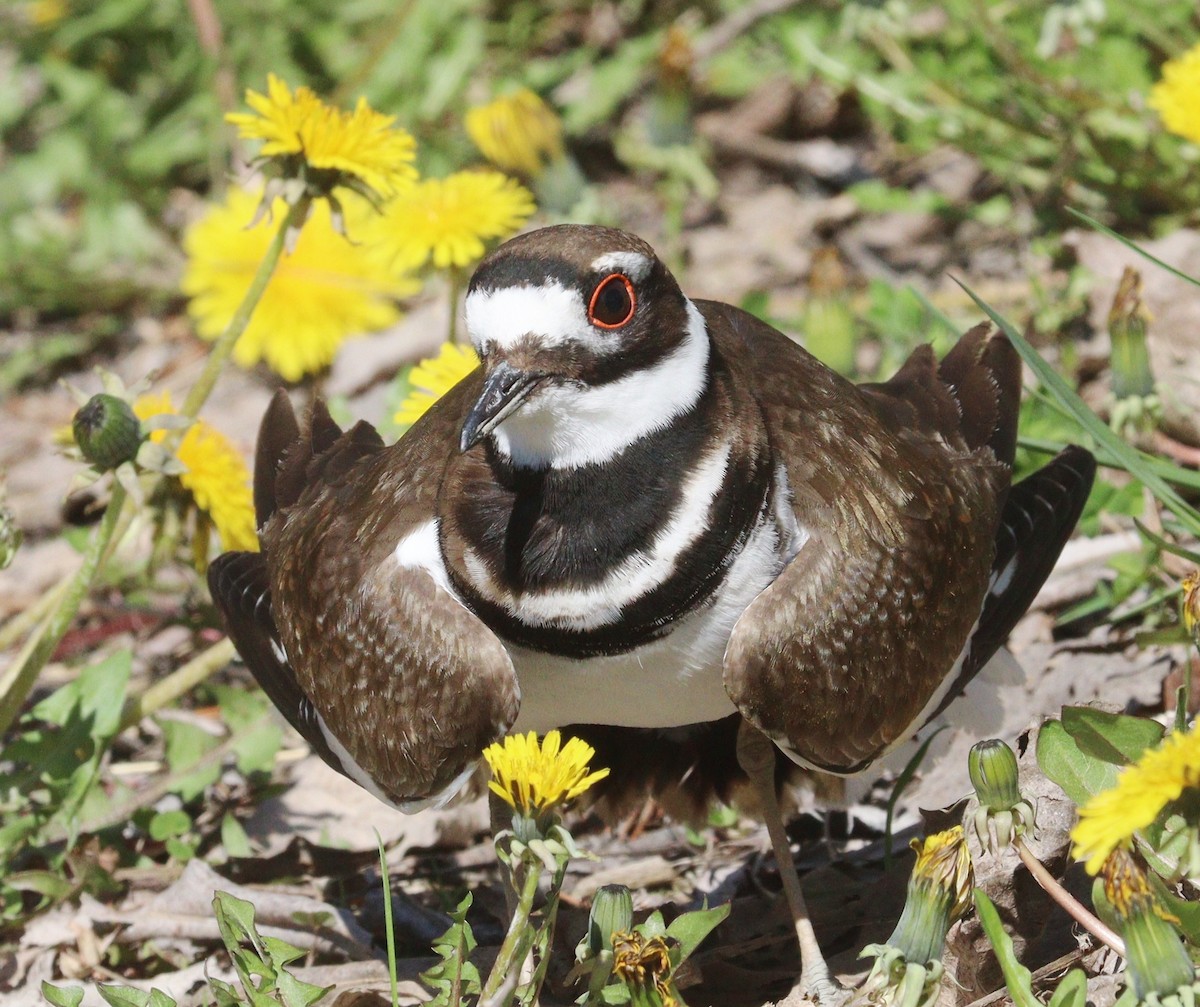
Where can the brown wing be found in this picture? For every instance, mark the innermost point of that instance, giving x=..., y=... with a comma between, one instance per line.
x=392, y=680
x=899, y=491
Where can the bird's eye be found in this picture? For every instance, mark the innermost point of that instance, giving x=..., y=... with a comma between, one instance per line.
x=613, y=302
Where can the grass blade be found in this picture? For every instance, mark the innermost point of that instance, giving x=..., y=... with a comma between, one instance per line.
x=1129, y=459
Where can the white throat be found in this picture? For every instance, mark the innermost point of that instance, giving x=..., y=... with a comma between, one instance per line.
x=566, y=426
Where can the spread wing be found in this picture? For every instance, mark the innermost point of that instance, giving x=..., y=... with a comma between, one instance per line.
x=376, y=664
x=863, y=634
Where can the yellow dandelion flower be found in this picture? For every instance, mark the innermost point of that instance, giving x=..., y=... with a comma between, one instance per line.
x=326, y=290
x=216, y=476
x=449, y=219
x=1176, y=98
x=534, y=777
x=1143, y=789
x=434, y=377
x=44, y=13
x=364, y=144
x=518, y=132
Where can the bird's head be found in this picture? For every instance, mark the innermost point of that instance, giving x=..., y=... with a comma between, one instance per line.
x=587, y=344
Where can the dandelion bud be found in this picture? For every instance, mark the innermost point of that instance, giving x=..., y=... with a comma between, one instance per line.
x=907, y=968
x=107, y=431
x=1191, y=605
x=939, y=892
x=10, y=537
x=993, y=770
x=1158, y=963
x=1127, y=323
x=612, y=911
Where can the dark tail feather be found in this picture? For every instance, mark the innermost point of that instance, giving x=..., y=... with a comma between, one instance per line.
x=290, y=458
x=973, y=394
x=983, y=372
x=276, y=434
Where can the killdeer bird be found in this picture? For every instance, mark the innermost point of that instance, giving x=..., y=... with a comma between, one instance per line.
x=656, y=521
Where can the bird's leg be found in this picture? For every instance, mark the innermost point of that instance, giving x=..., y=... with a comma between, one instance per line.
x=756, y=755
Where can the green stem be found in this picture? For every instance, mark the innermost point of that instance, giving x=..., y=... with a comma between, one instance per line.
x=176, y=684
x=516, y=942
x=456, y=286
x=203, y=387
x=387, y=919
x=19, y=678
x=545, y=933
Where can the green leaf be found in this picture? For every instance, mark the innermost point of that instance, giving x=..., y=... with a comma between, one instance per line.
x=235, y=921
x=690, y=929
x=185, y=745
x=297, y=993
x=53, y=886
x=1016, y=976
x=250, y=719
x=168, y=824
x=455, y=969
x=233, y=836
x=1080, y=775
x=128, y=996
x=1071, y=991
x=1112, y=737
x=280, y=952
x=62, y=996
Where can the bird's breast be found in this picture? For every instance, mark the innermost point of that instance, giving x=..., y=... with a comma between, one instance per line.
x=672, y=680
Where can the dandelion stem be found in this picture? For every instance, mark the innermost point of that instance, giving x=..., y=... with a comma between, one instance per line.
x=203, y=387
x=24, y=621
x=545, y=934
x=1078, y=912
x=177, y=683
x=456, y=285
x=20, y=676
x=516, y=942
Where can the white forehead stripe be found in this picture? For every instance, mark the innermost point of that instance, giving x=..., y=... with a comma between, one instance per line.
x=552, y=314
x=635, y=265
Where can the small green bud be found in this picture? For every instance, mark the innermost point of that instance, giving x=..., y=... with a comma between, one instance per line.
x=107, y=431
x=612, y=912
x=992, y=767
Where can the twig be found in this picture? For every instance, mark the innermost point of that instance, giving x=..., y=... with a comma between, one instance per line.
x=1079, y=913
x=1070, y=958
